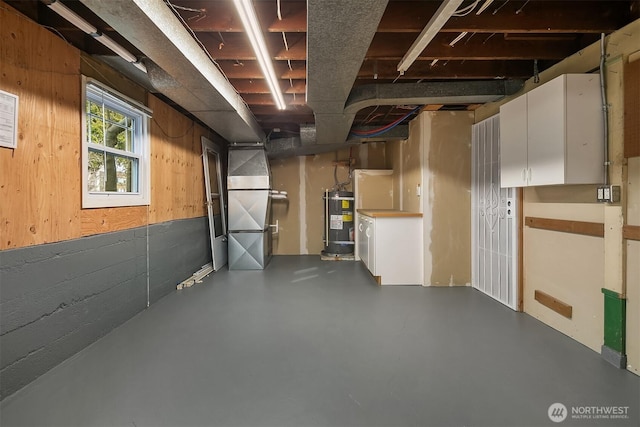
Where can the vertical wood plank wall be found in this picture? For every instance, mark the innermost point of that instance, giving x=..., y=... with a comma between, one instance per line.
x=40, y=181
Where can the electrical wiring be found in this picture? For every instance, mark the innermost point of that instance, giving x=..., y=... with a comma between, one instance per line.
x=466, y=10
x=383, y=129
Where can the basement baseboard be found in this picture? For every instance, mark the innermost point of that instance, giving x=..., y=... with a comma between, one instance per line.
x=614, y=357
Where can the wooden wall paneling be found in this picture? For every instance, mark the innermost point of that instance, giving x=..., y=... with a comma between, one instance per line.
x=66, y=176
x=26, y=72
x=631, y=232
x=160, y=163
x=105, y=220
x=554, y=304
x=575, y=227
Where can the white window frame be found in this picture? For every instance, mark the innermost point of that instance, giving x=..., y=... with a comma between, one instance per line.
x=141, y=115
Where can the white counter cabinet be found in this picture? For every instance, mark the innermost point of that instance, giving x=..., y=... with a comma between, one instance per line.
x=391, y=245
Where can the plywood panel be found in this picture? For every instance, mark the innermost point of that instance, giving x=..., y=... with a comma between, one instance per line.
x=40, y=186
x=66, y=177
x=177, y=177
x=97, y=221
x=31, y=199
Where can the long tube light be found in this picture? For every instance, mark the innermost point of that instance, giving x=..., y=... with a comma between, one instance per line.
x=252, y=27
x=437, y=21
x=83, y=25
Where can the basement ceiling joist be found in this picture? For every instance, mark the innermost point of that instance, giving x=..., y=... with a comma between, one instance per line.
x=509, y=40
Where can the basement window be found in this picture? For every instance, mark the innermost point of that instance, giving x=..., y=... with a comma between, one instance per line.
x=115, y=149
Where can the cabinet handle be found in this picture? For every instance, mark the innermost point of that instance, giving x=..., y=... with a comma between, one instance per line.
x=367, y=232
x=360, y=227
x=529, y=178
x=523, y=174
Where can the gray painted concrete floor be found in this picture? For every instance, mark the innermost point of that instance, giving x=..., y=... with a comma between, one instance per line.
x=312, y=343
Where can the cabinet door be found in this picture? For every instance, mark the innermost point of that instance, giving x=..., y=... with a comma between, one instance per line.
x=371, y=245
x=546, y=133
x=513, y=143
x=363, y=252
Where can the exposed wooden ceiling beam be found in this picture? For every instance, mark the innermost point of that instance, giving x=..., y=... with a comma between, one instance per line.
x=536, y=17
x=221, y=16
x=260, y=86
x=410, y=16
x=478, y=47
x=488, y=69
x=249, y=69
x=235, y=46
x=266, y=99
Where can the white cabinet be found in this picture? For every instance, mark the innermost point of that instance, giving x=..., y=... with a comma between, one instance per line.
x=391, y=246
x=553, y=134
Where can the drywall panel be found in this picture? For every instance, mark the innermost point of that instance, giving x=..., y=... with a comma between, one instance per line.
x=632, y=109
x=633, y=268
x=306, y=179
x=556, y=263
x=286, y=177
x=411, y=160
x=373, y=188
x=319, y=175
x=394, y=162
x=446, y=196
x=56, y=299
x=633, y=306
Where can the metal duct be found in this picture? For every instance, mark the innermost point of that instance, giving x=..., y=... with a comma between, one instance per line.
x=184, y=72
x=445, y=93
x=338, y=36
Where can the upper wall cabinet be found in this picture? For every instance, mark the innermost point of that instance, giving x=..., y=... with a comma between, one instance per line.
x=553, y=134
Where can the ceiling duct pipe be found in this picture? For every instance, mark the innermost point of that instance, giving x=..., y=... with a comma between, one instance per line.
x=180, y=68
x=338, y=36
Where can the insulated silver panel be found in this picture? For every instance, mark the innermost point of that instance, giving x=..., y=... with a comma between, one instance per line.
x=249, y=251
x=248, y=210
x=248, y=169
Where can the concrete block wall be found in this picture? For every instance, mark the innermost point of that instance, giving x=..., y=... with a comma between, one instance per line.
x=56, y=299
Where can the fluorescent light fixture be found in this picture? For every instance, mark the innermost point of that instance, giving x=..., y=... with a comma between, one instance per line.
x=485, y=5
x=434, y=62
x=83, y=25
x=457, y=39
x=72, y=17
x=254, y=32
x=437, y=21
x=116, y=48
x=140, y=66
